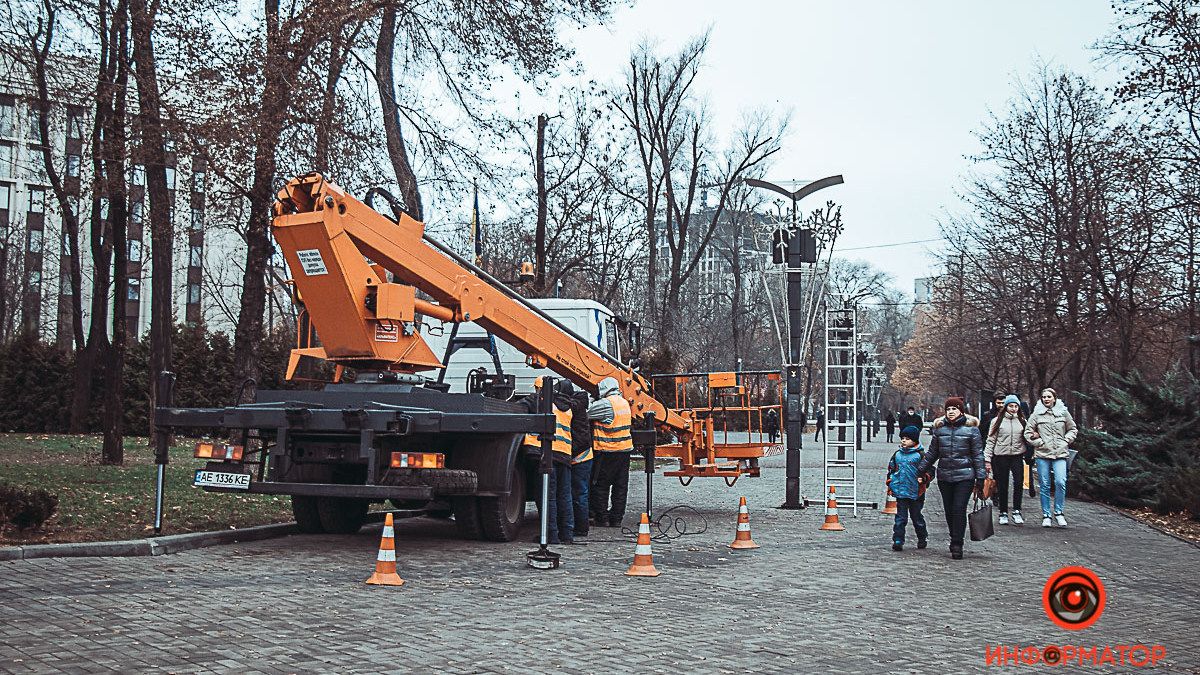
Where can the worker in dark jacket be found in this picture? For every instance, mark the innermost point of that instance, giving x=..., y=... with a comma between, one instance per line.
x=560, y=521
x=613, y=444
x=911, y=419
x=957, y=450
x=581, y=462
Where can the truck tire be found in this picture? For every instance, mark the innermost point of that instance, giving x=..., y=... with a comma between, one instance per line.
x=308, y=519
x=340, y=515
x=501, y=517
x=445, y=482
x=466, y=517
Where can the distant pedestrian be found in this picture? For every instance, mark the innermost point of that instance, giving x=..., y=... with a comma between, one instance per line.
x=911, y=419
x=1051, y=430
x=957, y=449
x=772, y=424
x=890, y=421
x=820, y=432
x=992, y=412
x=1004, y=453
x=908, y=487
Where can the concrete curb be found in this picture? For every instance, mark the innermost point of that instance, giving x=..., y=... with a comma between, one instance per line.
x=172, y=543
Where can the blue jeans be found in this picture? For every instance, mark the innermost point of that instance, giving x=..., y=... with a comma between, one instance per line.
x=563, y=514
x=904, y=509
x=1059, y=468
x=581, y=475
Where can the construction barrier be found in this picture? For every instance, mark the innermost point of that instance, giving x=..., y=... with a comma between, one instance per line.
x=889, y=507
x=643, y=558
x=385, y=561
x=742, y=540
x=832, y=524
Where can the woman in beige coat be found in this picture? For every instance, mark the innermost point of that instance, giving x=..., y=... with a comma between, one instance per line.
x=1004, y=451
x=1051, y=430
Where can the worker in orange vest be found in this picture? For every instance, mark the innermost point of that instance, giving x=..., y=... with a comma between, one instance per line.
x=560, y=521
x=612, y=441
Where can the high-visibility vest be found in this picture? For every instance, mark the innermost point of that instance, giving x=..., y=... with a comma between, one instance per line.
x=562, y=433
x=615, y=436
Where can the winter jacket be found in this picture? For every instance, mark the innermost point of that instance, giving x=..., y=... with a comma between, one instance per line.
x=601, y=410
x=902, y=477
x=985, y=421
x=957, y=449
x=891, y=422
x=1051, y=431
x=581, y=428
x=1008, y=440
x=913, y=420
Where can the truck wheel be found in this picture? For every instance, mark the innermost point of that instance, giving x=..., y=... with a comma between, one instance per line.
x=340, y=515
x=304, y=510
x=445, y=482
x=501, y=517
x=466, y=517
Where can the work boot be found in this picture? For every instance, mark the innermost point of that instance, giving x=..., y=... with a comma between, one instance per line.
x=956, y=551
x=614, y=521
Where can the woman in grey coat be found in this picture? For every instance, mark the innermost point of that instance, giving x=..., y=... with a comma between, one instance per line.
x=1051, y=430
x=957, y=450
x=1004, y=454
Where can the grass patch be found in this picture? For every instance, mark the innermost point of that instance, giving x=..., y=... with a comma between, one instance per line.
x=97, y=503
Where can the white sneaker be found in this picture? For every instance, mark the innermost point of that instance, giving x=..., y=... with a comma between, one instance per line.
x=1017, y=519
x=1003, y=518
x=1058, y=518
x=1046, y=521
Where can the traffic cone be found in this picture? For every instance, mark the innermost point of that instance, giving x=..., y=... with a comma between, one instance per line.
x=643, y=559
x=385, y=562
x=889, y=507
x=831, y=513
x=742, y=538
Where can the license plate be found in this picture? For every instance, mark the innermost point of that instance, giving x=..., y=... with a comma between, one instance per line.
x=218, y=479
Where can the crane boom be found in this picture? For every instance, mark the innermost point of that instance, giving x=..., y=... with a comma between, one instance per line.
x=338, y=250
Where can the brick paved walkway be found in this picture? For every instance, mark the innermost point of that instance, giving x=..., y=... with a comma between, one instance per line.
x=807, y=601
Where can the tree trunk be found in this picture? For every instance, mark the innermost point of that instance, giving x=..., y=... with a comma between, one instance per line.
x=539, y=172
x=162, y=230
x=116, y=146
x=384, y=80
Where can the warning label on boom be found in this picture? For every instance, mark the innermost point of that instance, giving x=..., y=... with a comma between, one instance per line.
x=386, y=333
x=312, y=262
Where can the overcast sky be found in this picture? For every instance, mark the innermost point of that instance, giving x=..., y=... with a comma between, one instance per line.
x=885, y=93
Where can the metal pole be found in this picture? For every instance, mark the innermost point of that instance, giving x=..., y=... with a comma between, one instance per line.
x=162, y=441
x=648, y=454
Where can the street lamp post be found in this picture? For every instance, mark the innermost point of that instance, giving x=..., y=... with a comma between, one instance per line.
x=800, y=250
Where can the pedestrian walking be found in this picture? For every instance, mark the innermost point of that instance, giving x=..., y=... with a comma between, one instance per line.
x=908, y=487
x=890, y=421
x=1051, y=430
x=992, y=412
x=911, y=419
x=772, y=424
x=956, y=447
x=1004, y=456
x=612, y=440
x=820, y=432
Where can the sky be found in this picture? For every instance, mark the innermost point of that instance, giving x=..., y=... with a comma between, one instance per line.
x=885, y=93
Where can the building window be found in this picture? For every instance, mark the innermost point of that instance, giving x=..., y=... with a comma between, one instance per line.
x=197, y=220
x=193, y=294
x=35, y=125
x=64, y=282
x=73, y=166
x=104, y=208
x=135, y=213
x=170, y=177
x=75, y=123
x=37, y=200
x=196, y=256
x=35, y=241
x=198, y=181
x=138, y=175
x=35, y=279
x=134, y=290
x=5, y=196
x=8, y=117
x=66, y=242
x=135, y=250
x=7, y=155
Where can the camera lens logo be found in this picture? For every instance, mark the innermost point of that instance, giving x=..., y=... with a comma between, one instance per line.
x=1073, y=597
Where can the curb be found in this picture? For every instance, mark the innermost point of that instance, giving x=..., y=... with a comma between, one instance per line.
x=1152, y=526
x=171, y=543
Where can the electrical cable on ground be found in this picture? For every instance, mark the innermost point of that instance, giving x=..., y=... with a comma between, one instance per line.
x=666, y=526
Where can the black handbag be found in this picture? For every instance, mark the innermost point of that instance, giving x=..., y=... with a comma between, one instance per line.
x=980, y=521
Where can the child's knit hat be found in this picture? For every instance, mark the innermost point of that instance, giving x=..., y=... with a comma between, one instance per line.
x=912, y=433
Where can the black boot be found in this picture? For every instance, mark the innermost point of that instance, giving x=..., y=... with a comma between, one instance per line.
x=956, y=551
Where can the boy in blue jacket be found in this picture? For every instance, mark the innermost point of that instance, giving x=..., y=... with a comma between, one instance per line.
x=908, y=487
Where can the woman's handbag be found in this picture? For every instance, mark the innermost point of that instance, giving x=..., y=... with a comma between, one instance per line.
x=989, y=488
x=980, y=521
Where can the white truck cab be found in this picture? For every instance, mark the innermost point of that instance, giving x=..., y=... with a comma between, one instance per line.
x=586, y=318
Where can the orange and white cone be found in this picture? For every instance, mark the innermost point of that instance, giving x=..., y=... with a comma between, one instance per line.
x=832, y=523
x=742, y=538
x=643, y=559
x=385, y=562
x=889, y=507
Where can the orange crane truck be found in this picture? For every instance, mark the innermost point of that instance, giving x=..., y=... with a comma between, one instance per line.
x=364, y=283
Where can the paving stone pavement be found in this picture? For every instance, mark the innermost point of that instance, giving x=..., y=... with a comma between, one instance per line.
x=807, y=601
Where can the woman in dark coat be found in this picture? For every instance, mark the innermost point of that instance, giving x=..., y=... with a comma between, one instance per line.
x=891, y=425
x=957, y=450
